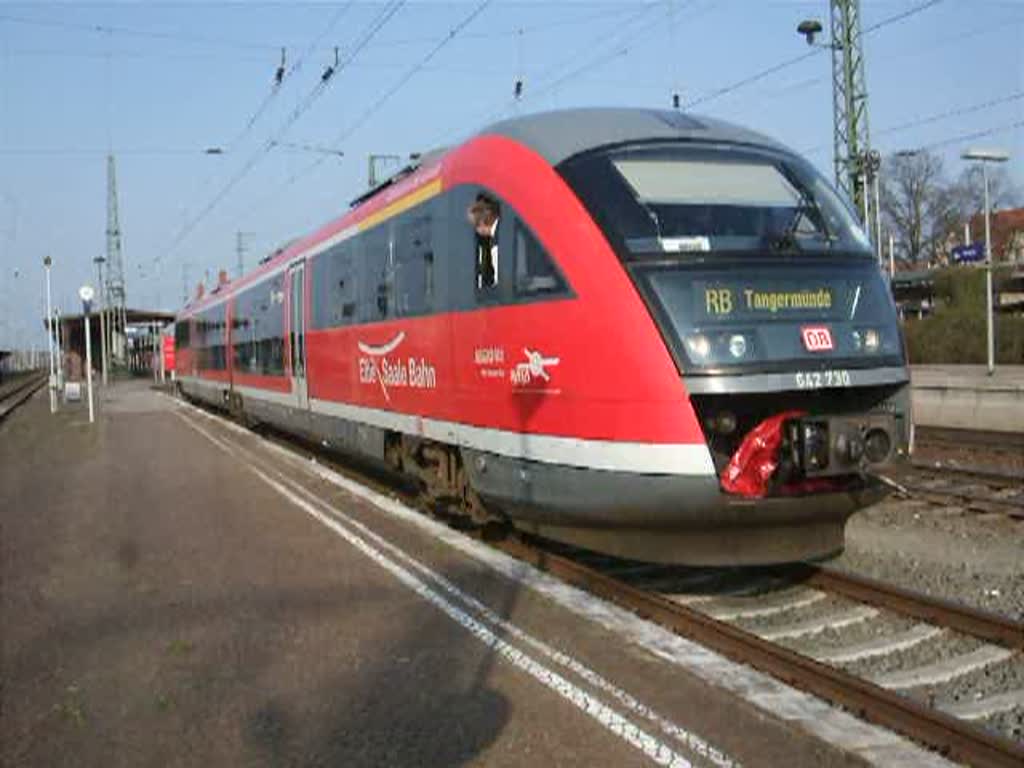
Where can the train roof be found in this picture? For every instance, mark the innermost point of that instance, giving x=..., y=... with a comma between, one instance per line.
x=560, y=134
x=555, y=135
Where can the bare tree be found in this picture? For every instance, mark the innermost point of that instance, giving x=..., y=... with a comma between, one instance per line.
x=917, y=205
x=969, y=191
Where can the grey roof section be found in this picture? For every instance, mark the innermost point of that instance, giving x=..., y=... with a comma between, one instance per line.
x=561, y=134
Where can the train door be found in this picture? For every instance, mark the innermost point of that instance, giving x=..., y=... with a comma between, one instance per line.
x=297, y=338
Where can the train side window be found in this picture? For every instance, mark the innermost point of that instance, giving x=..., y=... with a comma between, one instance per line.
x=336, y=289
x=535, y=272
x=414, y=264
x=378, y=256
x=181, y=334
x=212, y=348
x=270, y=327
x=484, y=216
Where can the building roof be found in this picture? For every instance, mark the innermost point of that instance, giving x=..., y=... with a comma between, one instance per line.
x=560, y=134
x=1005, y=224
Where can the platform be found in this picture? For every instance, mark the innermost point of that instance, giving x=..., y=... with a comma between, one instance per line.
x=966, y=397
x=175, y=590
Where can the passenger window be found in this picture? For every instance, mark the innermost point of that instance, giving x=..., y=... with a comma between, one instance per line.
x=343, y=304
x=378, y=255
x=485, y=216
x=535, y=272
x=415, y=266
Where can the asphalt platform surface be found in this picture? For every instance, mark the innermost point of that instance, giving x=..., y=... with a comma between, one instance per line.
x=166, y=599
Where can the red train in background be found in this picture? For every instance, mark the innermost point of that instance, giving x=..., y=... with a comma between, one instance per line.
x=652, y=334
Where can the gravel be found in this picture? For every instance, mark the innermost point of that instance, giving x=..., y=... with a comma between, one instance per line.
x=998, y=678
x=971, y=456
x=885, y=625
x=936, y=649
x=828, y=606
x=1009, y=724
x=941, y=551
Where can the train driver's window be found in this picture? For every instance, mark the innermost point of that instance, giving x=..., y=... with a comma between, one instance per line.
x=485, y=215
x=535, y=272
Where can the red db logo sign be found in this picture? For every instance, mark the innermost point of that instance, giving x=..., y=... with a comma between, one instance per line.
x=817, y=338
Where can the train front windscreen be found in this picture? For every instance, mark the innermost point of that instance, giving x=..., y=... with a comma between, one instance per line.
x=748, y=257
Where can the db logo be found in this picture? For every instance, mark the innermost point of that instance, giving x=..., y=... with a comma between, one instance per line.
x=817, y=338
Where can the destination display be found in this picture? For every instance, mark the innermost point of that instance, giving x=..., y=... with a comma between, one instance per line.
x=737, y=300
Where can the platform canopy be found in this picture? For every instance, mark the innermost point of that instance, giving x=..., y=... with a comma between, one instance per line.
x=141, y=322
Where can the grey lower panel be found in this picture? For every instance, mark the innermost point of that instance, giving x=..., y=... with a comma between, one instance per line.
x=755, y=545
x=573, y=496
x=329, y=431
x=351, y=436
x=664, y=518
x=669, y=518
x=208, y=391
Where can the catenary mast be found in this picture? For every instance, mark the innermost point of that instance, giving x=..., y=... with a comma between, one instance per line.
x=115, y=267
x=852, y=147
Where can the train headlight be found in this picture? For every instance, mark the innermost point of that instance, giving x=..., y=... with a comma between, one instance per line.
x=877, y=446
x=737, y=345
x=698, y=346
x=867, y=340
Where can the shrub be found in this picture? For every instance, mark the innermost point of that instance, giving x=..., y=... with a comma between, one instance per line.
x=955, y=333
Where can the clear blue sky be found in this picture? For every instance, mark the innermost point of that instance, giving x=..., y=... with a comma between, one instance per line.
x=159, y=82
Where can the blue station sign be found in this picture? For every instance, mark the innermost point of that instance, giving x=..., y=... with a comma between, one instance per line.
x=966, y=254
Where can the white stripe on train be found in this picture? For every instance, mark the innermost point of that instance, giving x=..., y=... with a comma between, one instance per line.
x=611, y=455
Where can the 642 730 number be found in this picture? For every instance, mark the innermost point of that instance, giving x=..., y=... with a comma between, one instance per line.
x=819, y=379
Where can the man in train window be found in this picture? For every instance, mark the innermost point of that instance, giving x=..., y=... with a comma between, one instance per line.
x=484, y=214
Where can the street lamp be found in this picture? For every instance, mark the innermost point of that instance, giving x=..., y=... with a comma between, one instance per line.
x=86, y=294
x=986, y=156
x=47, y=262
x=809, y=28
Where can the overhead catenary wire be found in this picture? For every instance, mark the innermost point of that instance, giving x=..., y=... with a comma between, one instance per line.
x=382, y=18
x=794, y=60
x=940, y=44
x=412, y=71
x=963, y=138
x=383, y=99
x=958, y=112
x=617, y=49
x=266, y=46
x=109, y=29
x=937, y=117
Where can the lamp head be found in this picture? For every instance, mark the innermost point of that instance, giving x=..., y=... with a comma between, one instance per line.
x=809, y=28
x=987, y=155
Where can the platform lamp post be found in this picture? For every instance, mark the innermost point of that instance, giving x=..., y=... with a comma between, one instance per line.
x=47, y=262
x=60, y=354
x=85, y=293
x=986, y=156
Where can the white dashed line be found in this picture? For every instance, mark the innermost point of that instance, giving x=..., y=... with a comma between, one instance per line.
x=657, y=750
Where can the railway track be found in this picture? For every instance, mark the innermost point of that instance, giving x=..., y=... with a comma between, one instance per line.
x=986, y=440
x=14, y=393
x=770, y=619
x=976, y=489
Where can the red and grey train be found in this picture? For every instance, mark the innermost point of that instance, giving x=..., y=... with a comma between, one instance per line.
x=668, y=338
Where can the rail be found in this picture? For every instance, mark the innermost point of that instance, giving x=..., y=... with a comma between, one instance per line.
x=16, y=392
x=934, y=610
x=948, y=735
x=933, y=728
